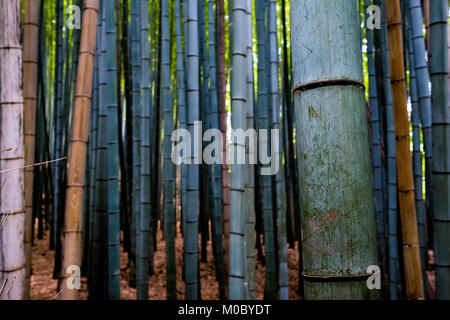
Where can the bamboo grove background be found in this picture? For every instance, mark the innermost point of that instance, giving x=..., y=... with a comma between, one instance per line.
x=364, y=157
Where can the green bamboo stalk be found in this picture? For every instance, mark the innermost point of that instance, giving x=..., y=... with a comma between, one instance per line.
x=128, y=139
x=424, y=99
x=250, y=176
x=181, y=100
x=93, y=217
x=112, y=160
x=280, y=191
x=205, y=114
x=216, y=174
x=101, y=191
x=136, y=131
x=221, y=84
x=393, y=254
x=264, y=123
x=441, y=145
x=169, y=169
x=193, y=115
x=375, y=146
x=58, y=118
x=145, y=181
x=239, y=98
x=335, y=172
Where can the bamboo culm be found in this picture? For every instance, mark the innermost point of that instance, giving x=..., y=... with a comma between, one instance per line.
x=238, y=119
x=441, y=144
x=193, y=115
x=320, y=148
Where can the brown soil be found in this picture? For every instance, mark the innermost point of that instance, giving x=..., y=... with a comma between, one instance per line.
x=44, y=287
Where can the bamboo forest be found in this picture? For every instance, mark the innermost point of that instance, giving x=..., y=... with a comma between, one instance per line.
x=224, y=150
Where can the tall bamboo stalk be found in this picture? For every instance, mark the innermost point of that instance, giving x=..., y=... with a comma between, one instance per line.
x=217, y=170
x=376, y=149
x=181, y=98
x=411, y=254
x=57, y=140
x=145, y=181
x=222, y=86
x=193, y=115
x=250, y=174
x=112, y=161
x=339, y=240
x=169, y=169
x=391, y=189
x=95, y=242
x=79, y=137
x=441, y=145
x=238, y=119
x=417, y=153
x=264, y=122
x=424, y=98
x=12, y=202
x=30, y=83
x=280, y=191
x=136, y=13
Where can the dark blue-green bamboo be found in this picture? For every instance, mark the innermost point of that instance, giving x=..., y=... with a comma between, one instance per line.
x=145, y=181
x=111, y=162
x=169, y=169
x=99, y=252
x=417, y=153
x=441, y=145
x=393, y=255
x=193, y=115
x=263, y=123
x=135, y=35
x=280, y=185
x=205, y=111
x=154, y=123
x=424, y=99
x=181, y=95
x=58, y=125
x=93, y=144
x=376, y=147
x=181, y=36
x=216, y=168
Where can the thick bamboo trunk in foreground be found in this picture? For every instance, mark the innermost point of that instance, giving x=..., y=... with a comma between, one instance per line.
x=78, y=145
x=410, y=237
x=12, y=210
x=339, y=240
x=30, y=73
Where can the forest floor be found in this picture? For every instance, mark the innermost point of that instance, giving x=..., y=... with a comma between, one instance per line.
x=44, y=287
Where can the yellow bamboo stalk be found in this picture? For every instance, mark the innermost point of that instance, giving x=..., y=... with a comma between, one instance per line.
x=411, y=254
x=30, y=72
x=77, y=152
